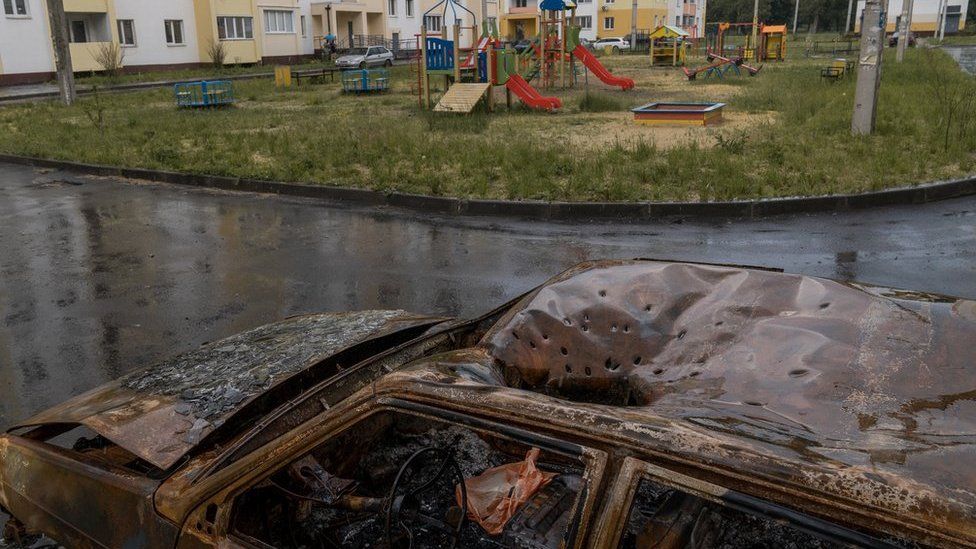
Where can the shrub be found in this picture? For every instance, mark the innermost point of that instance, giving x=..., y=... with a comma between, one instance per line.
x=217, y=53
x=109, y=56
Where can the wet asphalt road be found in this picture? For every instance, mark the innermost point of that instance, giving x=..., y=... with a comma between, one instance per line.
x=99, y=276
x=964, y=55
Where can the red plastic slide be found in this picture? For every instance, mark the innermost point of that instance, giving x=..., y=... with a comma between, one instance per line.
x=601, y=72
x=530, y=96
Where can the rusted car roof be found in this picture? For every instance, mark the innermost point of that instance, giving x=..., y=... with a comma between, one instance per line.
x=161, y=413
x=863, y=395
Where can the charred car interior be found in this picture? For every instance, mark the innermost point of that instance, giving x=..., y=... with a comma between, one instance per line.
x=393, y=480
x=624, y=404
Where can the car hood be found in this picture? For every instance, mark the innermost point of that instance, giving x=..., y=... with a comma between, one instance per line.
x=161, y=413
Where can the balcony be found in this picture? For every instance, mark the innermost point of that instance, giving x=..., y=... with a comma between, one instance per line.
x=529, y=7
x=83, y=56
x=86, y=6
x=88, y=32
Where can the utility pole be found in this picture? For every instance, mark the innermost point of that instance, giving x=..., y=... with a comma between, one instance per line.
x=940, y=20
x=905, y=28
x=869, y=69
x=850, y=9
x=484, y=20
x=796, y=15
x=62, y=55
x=755, y=29
x=633, y=26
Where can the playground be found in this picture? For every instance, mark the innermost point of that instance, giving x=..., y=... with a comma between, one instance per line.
x=784, y=132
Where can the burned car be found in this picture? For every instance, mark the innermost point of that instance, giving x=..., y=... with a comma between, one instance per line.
x=620, y=404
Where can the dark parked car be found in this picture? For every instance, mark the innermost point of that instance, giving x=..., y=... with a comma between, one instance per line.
x=662, y=404
x=893, y=39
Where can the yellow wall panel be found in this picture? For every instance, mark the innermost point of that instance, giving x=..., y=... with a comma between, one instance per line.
x=86, y=6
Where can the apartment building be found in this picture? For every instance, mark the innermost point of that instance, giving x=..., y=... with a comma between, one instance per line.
x=924, y=16
x=688, y=15
x=586, y=11
x=355, y=22
x=166, y=34
x=153, y=34
x=614, y=18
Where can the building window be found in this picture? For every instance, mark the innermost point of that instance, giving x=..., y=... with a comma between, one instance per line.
x=585, y=21
x=433, y=23
x=521, y=3
x=409, y=8
x=492, y=22
x=677, y=20
x=608, y=23
x=77, y=31
x=391, y=7
x=608, y=1
x=15, y=7
x=304, y=26
x=279, y=22
x=127, y=32
x=174, y=32
x=235, y=28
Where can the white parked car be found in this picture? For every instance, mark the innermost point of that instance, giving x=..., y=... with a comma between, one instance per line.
x=615, y=44
x=373, y=56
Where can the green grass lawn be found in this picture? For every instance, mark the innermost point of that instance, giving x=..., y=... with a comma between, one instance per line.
x=787, y=134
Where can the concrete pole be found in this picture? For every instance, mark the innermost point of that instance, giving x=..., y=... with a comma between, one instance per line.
x=796, y=15
x=62, y=54
x=869, y=69
x=904, y=28
x=850, y=9
x=940, y=20
x=633, y=26
x=755, y=30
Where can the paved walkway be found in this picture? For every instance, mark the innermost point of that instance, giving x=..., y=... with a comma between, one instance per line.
x=964, y=55
x=99, y=276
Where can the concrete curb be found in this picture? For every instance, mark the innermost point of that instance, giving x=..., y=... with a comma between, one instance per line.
x=134, y=86
x=926, y=192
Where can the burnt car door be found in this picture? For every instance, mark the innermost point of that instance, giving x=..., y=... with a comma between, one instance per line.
x=651, y=506
x=393, y=476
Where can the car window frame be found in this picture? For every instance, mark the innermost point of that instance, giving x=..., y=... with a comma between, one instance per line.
x=585, y=508
x=615, y=512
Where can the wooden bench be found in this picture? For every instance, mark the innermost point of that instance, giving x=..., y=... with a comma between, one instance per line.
x=313, y=74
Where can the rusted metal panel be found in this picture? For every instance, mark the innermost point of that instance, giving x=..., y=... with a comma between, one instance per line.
x=161, y=413
x=57, y=493
x=808, y=389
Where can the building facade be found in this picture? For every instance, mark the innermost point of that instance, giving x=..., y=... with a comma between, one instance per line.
x=924, y=16
x=597, y=18
x=614, y=17
x=153, y=34
x=688, y=15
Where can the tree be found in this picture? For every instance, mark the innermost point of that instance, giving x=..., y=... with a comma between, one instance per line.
x=818, y=15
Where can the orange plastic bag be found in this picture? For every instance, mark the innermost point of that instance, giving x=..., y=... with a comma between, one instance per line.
x=497, y=494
